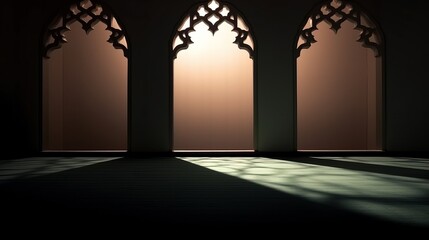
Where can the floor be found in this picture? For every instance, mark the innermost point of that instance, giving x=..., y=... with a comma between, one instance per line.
x=369, y=192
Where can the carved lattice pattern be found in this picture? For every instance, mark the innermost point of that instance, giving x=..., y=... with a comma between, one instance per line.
x=335, y=12
x=88, y=13
x=213, y=13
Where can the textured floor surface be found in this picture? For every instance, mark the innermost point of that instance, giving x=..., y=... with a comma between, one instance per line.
x=340, y=192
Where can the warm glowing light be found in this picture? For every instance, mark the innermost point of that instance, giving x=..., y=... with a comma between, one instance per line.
x=241, y=24
x=338, y=101
x=249, y=41
x=224, y=11
x=177, y=41
x=85, y=93
x=115, y=24
x=202, y=11
x=213, y=5
x=213, y=19
x=88, y=15
x=185, y=24
x=213, y=92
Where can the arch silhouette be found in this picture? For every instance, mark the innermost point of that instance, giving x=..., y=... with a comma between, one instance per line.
x=335, y=13
x=339, y=82
x=88, y=13
x=213, y=13
x=85, y=80
x=204, y=95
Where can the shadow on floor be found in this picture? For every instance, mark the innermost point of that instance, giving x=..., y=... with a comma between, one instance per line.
x=165, y=191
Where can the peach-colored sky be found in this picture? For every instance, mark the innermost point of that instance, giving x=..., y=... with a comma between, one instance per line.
x=213, y=93
x=85, y=93
x=339, y=93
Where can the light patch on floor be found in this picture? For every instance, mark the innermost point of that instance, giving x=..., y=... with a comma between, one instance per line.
x=38, y=166
x=406, y=162
x=397, y=198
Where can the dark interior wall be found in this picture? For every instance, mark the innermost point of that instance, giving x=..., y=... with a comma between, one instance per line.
x=407, y=85
x=19, y=77
x=151, y=24
x=8, y=81
x=275, y=23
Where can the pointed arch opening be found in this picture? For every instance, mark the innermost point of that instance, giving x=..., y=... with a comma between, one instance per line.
x=85, y=81
x=339, y=80
x=213, y=80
